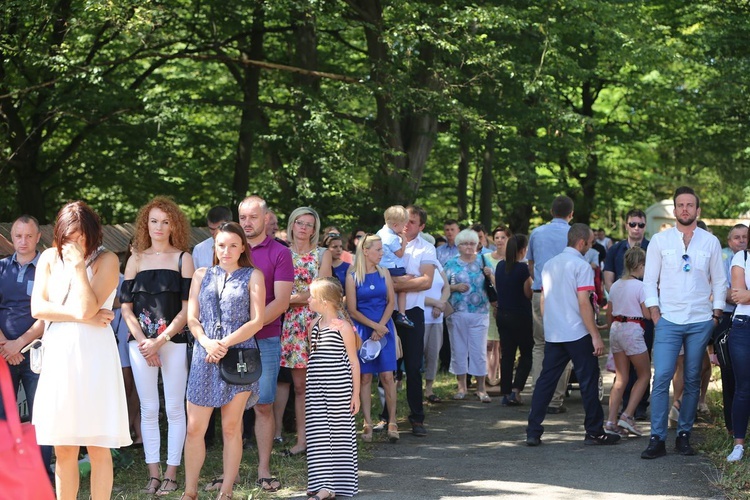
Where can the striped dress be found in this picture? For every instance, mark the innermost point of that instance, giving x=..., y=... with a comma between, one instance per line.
x=329, y=423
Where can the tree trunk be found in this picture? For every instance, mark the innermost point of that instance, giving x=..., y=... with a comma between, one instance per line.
x=486, y=198
x=462, y=184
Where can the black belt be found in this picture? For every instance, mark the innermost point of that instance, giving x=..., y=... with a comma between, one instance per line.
x=537, y=291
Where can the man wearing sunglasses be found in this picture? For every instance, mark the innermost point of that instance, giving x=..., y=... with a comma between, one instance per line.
x=614, y=264
x=684, y=270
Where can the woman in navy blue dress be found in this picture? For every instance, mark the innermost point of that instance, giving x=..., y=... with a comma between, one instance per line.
x=370, y=302
x=232, y=295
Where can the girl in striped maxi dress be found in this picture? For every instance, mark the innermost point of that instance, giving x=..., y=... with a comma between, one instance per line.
x=332, y=396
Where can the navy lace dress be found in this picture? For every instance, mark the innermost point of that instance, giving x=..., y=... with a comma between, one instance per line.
x=205, y=386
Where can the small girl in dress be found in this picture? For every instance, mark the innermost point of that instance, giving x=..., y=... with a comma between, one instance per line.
x=628, y=313
x=331, y=396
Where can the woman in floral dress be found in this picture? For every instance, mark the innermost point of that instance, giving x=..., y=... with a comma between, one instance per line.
x=310, y=262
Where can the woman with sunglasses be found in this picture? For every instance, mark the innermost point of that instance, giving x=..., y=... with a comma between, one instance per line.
x=310, y=262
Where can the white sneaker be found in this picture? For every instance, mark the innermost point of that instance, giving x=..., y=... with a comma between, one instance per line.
x=736, y=454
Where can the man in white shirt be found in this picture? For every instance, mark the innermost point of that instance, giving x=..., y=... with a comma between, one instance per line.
x=683, y=271
x=203, y=252
x=570, y=334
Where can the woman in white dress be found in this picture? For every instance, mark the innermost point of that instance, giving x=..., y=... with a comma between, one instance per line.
x=80, y=399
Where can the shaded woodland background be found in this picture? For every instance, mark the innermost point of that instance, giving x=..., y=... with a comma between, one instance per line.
x=481, y=111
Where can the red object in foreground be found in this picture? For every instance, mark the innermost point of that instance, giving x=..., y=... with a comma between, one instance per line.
x=22, y=474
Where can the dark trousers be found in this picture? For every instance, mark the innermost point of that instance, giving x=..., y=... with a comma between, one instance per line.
x=739, y=351
x=412, y=343
x=648, y=336
x=727, y=374
x=586, y=367
x=515, y=335
x=22, y=373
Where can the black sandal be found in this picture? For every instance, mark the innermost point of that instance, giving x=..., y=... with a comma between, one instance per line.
x=151, y=490
x=165, y=489
x=267, y=484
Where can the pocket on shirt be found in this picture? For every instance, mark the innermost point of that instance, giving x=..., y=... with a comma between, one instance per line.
x=670, y=259
x=29, y=287
x=701, y=261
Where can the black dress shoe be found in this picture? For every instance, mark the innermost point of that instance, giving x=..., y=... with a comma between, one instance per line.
x=555, y=410
x=533, y=441
x=656, y=448
x=682, y=444
x=602, y=439
x=417, y=429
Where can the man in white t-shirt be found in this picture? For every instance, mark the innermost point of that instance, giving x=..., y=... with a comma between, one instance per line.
x=570, y=334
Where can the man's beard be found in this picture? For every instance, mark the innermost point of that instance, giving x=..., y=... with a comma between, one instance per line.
x=686, y=222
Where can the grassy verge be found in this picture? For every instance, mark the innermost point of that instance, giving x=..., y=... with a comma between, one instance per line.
x=292, y=471
x=716, y=444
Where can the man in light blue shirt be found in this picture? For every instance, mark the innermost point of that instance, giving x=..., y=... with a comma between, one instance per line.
x=546, y=242
x=449, y=250
x=203, y=253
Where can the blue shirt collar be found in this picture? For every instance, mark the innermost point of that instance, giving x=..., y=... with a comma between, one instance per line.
x=34, y=261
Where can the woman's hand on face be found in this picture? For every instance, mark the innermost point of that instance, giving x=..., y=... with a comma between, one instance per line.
x=73, y=253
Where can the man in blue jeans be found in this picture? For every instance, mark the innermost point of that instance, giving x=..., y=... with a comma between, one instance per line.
x=17, y=327
x=570, y=334
x=683, y=271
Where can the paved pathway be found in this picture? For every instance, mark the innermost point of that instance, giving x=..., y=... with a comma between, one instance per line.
x=477, y=450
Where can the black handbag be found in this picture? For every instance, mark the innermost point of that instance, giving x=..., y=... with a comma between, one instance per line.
x=721, y=348
x=240, y=365
x=489, y=288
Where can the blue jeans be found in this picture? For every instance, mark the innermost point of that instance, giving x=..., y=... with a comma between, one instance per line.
x=586, y=367
x=22, y=373
x=739, y=350
x=668, y=339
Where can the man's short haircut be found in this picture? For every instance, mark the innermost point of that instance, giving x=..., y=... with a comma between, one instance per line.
x=450, y=222
x=635, y=212
x=396, y=214
x=255, y=199
x=417, y=210
x=26, y=219
x=686, y=190
x=578, y=232
x=562, y=207
x=219, y=214
x=478, y=228
x=737, y=226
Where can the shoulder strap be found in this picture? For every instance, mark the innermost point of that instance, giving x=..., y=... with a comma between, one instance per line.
x=179, y=263
x=218, y=294
x=745, y=251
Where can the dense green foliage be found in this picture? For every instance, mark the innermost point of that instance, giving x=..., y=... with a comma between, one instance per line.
x=480, y=111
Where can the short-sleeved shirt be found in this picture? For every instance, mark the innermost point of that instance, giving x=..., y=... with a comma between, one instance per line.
x=391, y=245
x=544, y=243
x=16, y=284
x=275, y=262
x=203, y=253
x=626, y=297
x=562, y=278
x=739, y=261
x=435, y=292
x=615, y=260
x=446, y=252
x=418, y=252
x=474, y=300
x=511, y=297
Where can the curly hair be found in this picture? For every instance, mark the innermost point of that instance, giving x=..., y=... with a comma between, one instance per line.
x=179, y=236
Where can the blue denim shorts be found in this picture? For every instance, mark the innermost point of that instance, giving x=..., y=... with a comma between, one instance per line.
x=270, y=358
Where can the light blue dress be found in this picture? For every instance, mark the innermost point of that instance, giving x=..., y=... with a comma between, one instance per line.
x=205, y=385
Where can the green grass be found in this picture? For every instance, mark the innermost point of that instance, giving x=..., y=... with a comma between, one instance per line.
x=292, y=471
x=716, y=444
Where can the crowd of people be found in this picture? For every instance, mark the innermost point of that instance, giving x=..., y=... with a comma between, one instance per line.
x=255, y=313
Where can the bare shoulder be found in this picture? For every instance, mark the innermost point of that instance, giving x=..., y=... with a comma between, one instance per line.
x=341, y=325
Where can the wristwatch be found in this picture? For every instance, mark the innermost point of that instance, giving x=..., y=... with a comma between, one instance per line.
x=166, y=336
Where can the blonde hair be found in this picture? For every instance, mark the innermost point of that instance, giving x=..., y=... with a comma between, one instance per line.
x=329, y=289
x=396, y=214
x=297, y=213
x=179, y=233
x=360, y=264
x=634, y=257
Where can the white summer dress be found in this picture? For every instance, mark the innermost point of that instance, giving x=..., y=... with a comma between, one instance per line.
x=80, y=399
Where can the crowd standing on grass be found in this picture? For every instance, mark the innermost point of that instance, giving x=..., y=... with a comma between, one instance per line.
x=337, y=312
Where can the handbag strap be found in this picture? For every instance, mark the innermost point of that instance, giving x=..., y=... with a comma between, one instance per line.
x=9, y=403
x=218, y=295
